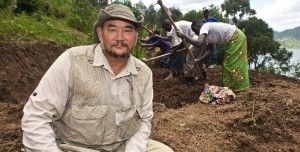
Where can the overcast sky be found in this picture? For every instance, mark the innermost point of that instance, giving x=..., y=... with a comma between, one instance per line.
x=279, y=14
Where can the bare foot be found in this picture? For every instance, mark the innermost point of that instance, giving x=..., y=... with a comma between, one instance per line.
x=169, y=77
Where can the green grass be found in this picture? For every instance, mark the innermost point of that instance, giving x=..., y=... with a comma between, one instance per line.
x=41, y=28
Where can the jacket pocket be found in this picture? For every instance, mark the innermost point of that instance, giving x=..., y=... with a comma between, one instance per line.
x=86, y=124
x=88, y=113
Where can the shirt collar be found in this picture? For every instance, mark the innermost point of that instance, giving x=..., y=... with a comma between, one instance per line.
x=100, y=60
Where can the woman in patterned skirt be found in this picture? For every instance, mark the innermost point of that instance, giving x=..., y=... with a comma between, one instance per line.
x=235, y=64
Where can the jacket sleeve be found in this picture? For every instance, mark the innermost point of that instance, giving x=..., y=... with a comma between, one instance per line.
x=45, y=105
x=138, y=142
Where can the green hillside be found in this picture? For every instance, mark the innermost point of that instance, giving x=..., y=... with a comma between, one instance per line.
x=64, y=22
x=289, y=38
x=39, y=28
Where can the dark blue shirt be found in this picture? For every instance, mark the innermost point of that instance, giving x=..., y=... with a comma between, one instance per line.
x=210, y=19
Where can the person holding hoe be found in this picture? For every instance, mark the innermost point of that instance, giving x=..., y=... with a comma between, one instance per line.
x=235, y=63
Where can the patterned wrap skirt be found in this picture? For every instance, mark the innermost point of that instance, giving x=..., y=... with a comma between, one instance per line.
x=235, y=64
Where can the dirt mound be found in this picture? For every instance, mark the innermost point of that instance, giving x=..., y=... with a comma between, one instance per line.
x=264, y=118
x=22, y=65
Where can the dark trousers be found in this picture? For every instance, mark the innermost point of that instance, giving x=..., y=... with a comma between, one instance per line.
x=177, y=61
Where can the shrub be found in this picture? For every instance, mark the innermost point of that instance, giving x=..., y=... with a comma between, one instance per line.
x=77, y=23
x=28, y=6
x=4, y=4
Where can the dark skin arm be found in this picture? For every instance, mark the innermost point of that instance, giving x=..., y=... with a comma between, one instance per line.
x=174, y=48
x=198, y=42
x=144, y=40
x=168, y=38
x=146, y=45
x=205, y=54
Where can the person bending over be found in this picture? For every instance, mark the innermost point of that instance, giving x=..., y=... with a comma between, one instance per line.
x=212, y=62
x=235, y=63
x=163, y=45
x=177, y=59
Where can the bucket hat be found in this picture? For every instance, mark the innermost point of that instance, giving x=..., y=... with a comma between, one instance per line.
x=116, y=11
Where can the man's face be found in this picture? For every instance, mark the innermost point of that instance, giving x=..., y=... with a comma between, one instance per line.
x=196, y=28
x=206, y=14
x=167, y=26
x=118, y=38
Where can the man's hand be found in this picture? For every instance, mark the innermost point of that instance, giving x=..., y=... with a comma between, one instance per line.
x=159, y=2
x=180, y=34
x=157, y=36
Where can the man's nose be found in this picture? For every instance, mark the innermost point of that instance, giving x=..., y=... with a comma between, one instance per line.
x=120, y=35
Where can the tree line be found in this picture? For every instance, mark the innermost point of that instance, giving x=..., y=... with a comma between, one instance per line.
x=264, y=52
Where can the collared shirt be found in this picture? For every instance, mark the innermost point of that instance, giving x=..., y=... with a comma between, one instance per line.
x=48, y=101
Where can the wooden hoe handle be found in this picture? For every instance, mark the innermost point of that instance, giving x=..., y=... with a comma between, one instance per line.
x=183, y=40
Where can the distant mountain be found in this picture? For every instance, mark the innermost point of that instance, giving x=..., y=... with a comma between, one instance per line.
x=288, y=38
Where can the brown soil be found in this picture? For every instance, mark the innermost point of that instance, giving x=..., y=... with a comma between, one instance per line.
x=264, y=118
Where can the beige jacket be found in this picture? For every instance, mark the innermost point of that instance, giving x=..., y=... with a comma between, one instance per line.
x=88, y=106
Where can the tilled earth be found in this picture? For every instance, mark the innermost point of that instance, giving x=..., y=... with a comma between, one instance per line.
x=264, y=118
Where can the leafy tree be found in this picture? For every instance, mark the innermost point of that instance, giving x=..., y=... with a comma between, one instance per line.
x=134, y=8
x=215, y=12
x=99, y=3
x=237, y=7
x=282, y=56
x=280, y=63
x=262, y=49
x=150, y=15
x=142, y=7
x=176, y=13
x=282, y=59
x=259, y=41
x=295, y=70
x=192, y=15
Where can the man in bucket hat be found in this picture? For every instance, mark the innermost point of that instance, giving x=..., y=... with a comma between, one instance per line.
x=95, y=98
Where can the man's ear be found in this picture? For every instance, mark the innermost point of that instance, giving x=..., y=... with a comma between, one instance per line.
x=99, y=32
x=137, y=34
